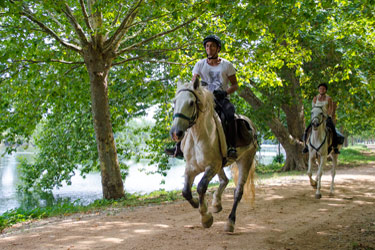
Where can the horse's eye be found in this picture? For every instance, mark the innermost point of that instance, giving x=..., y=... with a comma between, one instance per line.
x=191, y=103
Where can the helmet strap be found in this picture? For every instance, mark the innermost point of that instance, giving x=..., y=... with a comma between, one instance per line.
x=212, y=57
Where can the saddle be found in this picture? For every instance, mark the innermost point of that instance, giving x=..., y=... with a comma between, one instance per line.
x=244, y=134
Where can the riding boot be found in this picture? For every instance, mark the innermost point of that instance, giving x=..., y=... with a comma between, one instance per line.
x=231, y=139
x=306, y=149
x=175, y=151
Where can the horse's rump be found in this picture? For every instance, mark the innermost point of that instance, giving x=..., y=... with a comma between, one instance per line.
x=245, y=134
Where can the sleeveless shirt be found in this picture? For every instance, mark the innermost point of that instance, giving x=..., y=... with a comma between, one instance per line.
x=323, y=104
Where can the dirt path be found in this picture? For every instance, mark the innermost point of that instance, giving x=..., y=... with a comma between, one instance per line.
x=286, y=216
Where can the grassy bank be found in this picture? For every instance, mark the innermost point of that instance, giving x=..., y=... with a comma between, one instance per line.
x=350, y=156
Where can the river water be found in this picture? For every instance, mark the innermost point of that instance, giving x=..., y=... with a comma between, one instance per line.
x=89, y=189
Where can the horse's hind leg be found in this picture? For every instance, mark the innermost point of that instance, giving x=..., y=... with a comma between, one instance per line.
x=206, y=217
x=216, y=202
x=333, y=174
x=244, y=167
x=186, y=191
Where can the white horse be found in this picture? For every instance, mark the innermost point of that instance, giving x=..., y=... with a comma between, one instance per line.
x=319, y=144
x=197, y=126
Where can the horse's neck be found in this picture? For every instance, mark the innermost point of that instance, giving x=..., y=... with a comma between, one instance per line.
x=205, y=127
x=319, y=134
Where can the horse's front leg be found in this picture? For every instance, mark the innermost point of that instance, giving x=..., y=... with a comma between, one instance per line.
x=216, y=202
x=186, y=191
x=322, y=163
x=309, y=170
x=206, y=217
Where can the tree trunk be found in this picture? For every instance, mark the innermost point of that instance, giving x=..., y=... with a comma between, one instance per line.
x=293, y=146
x=98, y=66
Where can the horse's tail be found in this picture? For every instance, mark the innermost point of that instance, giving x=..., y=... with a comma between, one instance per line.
x=249, y=186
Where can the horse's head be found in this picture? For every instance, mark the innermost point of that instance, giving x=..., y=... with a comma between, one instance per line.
x=188, y=103
x=317, y=117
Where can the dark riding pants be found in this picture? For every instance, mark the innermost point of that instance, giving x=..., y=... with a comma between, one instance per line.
x=226, y=111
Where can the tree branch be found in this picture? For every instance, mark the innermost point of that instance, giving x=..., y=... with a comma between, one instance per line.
x=79, y=31
x=140, y=58
x=51, y=60
x=118, y=15
x=49, y=31
x=85, y=15
x=114, y=41
x=154, y=37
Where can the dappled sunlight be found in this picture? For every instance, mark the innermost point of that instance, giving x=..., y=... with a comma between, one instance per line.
x=162, y=225
x=274, y=197
x=323, y=210
x=142, y=231
x=363, y=202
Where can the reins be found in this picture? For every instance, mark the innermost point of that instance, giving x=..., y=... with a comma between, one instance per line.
x=317, y=149
x=192, y=120
x=325, y=136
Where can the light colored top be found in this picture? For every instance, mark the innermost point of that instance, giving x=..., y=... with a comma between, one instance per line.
x=323, y=104
x=216, y=77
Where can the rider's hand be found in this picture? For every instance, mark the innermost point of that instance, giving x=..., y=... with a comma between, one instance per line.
x=220, y=94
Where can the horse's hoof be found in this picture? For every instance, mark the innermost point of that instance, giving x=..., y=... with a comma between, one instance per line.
x=207, y=220
x=318, y=196
x=217, y=208
x=314, y=185
x=229, y=226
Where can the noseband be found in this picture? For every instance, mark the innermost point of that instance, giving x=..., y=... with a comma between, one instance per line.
x=325, y=136
x=192, y=120
x=320, y=122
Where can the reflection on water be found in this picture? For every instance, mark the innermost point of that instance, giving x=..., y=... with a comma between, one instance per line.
x=88, y=189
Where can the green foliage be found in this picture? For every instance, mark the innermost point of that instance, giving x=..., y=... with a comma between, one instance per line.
x=45, y=91
x=355, y=155
x=278, y=159
x=268, y=169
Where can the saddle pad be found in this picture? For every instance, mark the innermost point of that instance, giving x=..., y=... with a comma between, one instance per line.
x=244, y=133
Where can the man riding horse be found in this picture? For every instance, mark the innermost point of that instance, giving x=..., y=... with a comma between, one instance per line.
x=218, y=76
x=324, y=101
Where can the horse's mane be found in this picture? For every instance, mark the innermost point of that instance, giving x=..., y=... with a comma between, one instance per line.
x=205, y=97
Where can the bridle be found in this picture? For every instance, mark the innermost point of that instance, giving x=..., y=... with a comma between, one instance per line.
x=325, y=136
x=193, y=119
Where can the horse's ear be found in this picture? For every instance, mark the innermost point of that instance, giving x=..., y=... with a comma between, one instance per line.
x=179, y=84
x=196, y=83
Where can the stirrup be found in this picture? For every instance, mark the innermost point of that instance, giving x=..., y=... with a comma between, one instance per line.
x=232, y=153
x=336, y=151
x=174, y=152
x=170, y=151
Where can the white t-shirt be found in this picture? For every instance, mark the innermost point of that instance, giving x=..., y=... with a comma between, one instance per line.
x=216, y=77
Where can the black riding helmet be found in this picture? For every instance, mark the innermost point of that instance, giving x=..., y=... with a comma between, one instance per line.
x=212, y=38
x=324, y=85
